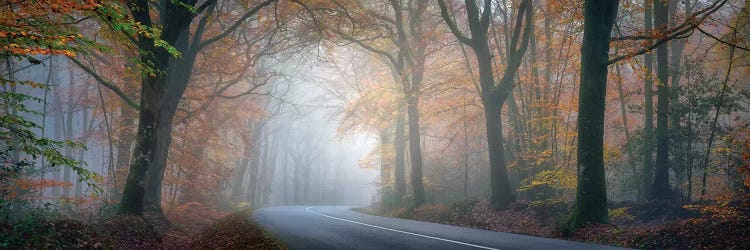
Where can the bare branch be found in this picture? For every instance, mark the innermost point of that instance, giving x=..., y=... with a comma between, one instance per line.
x=236, y=24
x=721, y=41
x=105, y=83
x=452, y=25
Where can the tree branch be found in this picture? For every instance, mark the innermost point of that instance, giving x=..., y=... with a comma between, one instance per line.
x=452, y=25
x=721, y=41
x=484, y=21
x=688, y=27
x=106, y=83
x=236, y=24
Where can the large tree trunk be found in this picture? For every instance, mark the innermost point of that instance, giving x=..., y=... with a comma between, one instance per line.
x=493, y=96
x=501, y=193
x=591, y=195
x=159, y=99
x=160, y=94
x=142, y=159
x=163, y=125
x=660, y=188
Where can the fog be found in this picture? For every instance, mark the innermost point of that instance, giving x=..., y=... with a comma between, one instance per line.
x=316, y=164
x=530, y=116
x=302, y=158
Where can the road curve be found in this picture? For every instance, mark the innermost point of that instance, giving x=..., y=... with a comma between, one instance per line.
x=338, y=227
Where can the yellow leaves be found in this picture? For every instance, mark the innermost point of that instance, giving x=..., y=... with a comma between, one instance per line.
x=620, y=213
x=559, y=179
x=725, y=207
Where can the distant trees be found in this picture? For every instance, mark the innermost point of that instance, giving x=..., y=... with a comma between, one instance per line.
x=398, y=35
x=30, y=37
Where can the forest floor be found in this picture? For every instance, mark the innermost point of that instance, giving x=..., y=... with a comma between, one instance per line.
x=717, y=224
x=192, y=226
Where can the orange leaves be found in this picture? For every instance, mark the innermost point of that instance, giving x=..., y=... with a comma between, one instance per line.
x=23, y=186
x=41, y=27
x=66, y=6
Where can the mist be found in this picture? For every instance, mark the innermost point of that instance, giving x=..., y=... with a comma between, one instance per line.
x=349, y=123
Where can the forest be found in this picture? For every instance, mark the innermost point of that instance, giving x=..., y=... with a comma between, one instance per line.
x=144, y=124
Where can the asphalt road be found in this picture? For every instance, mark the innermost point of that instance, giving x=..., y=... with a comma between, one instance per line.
x=341, y=228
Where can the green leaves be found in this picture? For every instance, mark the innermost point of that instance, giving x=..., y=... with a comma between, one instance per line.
x=21, y=146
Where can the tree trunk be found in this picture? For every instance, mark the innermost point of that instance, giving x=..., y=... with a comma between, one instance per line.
x=285, y=175
x=84, y=135
x=718, y=106
x=384, y=161
x=68, y=151
x=648, y=110
x=493, y=96
x=399, y=145
x=160, y=94
x=253, y=166
x=261, y=172
x=466, y=146
x=677, y=133
x=415, y=152
x=501, y=194
x=239, y=176
x=660, y=188
x=142, y=159
x=57, y=108
x=624, y=114
x=270, y=167
x=125, y=140
x=591, y=196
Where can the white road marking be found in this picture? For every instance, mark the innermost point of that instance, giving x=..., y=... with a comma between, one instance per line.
x=403, y=232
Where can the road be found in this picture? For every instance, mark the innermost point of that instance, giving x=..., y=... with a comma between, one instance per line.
x=338, y=227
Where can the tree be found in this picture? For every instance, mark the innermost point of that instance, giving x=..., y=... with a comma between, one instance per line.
x=162, y=87
x=648, y=109
x=494, y=96
x=591, y=195
x=660, y=188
